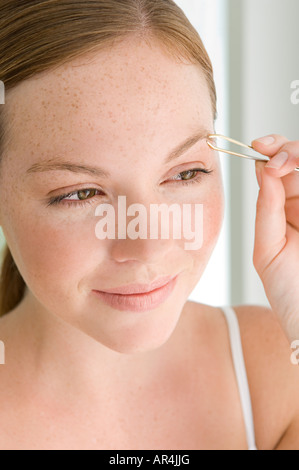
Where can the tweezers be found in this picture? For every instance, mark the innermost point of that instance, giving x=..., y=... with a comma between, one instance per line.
x=259, y=157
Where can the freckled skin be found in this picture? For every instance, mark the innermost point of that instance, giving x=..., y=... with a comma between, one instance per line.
x=123, y=110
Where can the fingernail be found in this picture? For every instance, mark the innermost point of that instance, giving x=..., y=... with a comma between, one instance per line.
x=266, y=140
x=278, y=161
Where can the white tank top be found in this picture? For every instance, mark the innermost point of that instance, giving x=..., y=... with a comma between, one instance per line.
x=241, y=375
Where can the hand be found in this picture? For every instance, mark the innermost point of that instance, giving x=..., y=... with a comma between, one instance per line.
x=276, y=250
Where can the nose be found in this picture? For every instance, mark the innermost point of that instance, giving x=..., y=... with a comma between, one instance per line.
x=143, y=231
x=143, y=237
x=146, y=251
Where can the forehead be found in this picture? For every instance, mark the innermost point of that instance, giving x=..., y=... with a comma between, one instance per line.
x=130, y=91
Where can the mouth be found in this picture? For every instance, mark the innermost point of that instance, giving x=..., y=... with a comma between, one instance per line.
x=139, y=297
x=132, y=289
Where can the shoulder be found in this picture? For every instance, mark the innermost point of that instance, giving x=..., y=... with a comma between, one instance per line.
x=273, y=378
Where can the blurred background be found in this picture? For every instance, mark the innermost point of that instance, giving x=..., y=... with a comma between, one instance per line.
x=254, y=47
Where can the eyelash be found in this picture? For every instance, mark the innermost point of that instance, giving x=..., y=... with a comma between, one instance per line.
x=59, y=199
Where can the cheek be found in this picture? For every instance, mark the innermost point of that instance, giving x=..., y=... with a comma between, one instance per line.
x=53, y=253
x=213, y=218
x=213, y=214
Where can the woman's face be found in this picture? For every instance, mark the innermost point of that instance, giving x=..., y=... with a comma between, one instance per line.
x=123, y=111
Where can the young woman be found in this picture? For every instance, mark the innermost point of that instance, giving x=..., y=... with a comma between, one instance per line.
x=109, y=98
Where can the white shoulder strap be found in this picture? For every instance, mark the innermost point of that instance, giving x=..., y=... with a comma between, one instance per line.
x=241, y=375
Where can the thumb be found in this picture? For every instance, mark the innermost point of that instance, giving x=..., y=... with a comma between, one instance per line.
x=270, y=226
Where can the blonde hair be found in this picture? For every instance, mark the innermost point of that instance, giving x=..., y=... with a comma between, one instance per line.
x=36, y=36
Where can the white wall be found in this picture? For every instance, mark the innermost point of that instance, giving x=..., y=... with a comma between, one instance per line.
x=264, y=61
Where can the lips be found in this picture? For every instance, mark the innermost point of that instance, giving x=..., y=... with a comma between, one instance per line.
x=139, y=302
x=140, y=288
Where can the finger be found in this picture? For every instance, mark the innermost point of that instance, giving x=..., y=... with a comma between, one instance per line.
x=269, y=145
x=286, y=160
x=270, y=228
x=292, y=212
x=291, y=184
x=284, y=153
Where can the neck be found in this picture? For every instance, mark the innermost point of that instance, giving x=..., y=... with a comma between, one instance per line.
x=54, y=352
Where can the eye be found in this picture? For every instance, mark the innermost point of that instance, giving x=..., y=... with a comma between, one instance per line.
x=82, y=197
x=79, y=198
x=192, y=176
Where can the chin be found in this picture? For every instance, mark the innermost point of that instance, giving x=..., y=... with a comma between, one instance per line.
x=131, y=333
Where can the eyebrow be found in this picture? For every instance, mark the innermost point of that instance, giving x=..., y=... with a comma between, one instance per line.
x=59, y=165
